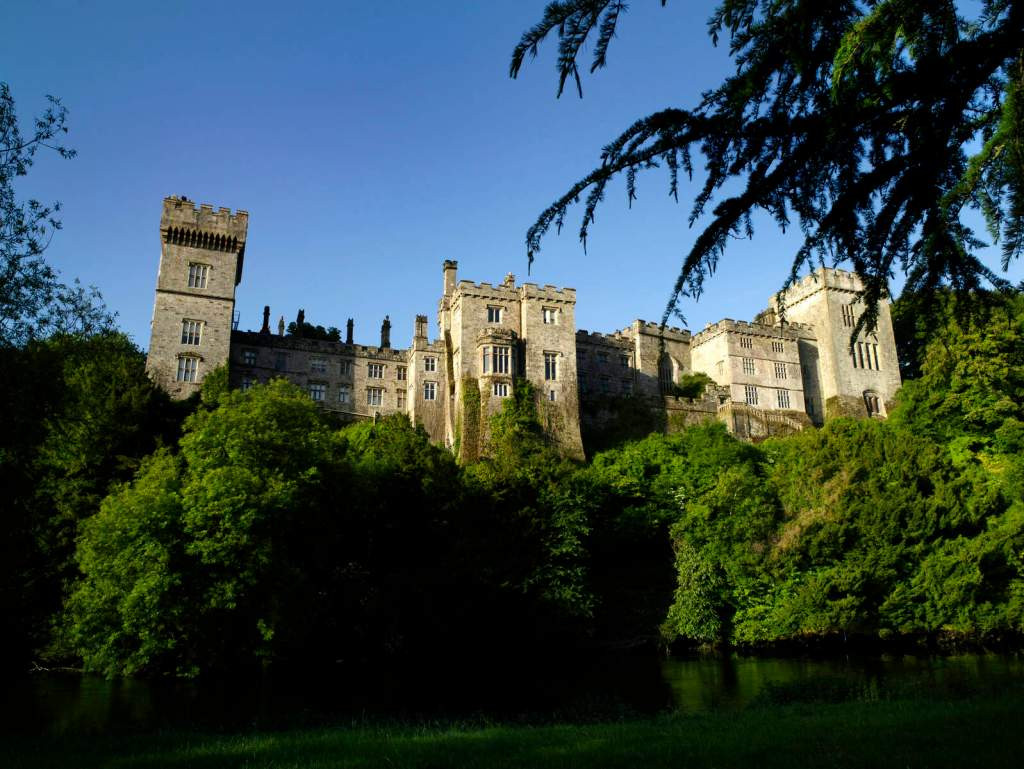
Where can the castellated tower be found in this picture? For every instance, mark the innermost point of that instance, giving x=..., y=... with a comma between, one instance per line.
x=200, y=265
x=859, y=381
x=496, y=334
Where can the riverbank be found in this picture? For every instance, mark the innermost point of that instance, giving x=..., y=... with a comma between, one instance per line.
x=890, y=733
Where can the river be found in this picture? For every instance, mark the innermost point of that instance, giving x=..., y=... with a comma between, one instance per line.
x=63, y=703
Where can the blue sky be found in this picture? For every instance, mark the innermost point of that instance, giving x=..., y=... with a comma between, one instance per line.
x=369, y=142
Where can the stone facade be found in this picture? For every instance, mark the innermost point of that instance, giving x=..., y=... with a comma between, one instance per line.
x=794, y=366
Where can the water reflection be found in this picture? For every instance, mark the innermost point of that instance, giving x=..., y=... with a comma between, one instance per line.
x=608, y=688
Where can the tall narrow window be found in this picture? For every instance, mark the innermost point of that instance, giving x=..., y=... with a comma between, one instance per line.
x=188, y=368
x=748, y=366
x=624, y=361
x=430, y=363
x=497, y=360
x=191, y=331
x=430, y=391
x=550, y=315
x=665, y=378
x=552, y=395
x=197, y=274
x=400, y=397
x=860, y=355
x=487, y=360
x=493, y=314
x=780, y=370
x=344, y=394
x=782, y=397
x=401, y=373
x=346, y=368
x=874, y=352
x=374, y=396
x=551, y=365
x=750, y=393
x=848, y=319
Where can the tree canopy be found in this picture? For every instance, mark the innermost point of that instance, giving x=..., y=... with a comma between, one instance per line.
x=33, y=300
x=876, y=127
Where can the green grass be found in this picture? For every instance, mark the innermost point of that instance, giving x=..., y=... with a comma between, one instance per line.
x=901, y=733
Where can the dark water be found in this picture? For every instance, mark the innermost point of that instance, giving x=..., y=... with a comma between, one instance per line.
x=58, y=703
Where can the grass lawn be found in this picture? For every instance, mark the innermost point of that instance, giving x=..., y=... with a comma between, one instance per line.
x=902, y=733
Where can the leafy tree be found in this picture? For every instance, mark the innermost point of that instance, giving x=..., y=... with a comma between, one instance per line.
x=33, y=301
x=875, y=126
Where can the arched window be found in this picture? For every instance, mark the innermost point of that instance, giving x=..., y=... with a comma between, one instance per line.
x=872, y=403
x=665, y=378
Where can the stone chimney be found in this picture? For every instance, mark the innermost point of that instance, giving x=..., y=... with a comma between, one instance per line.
x=420, y=331
x=385, y=333
x=348, y=331
x=266, y=320
x=450, y=267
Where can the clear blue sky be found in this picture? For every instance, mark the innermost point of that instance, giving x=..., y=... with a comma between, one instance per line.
x=368, y=141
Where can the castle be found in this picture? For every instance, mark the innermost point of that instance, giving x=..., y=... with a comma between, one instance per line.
x=771, y=376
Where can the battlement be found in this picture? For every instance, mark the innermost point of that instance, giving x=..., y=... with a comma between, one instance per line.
x=255, y=339
x=824, y=278
x=790, y=331
x=486, y=290
x=547, y=293
x=651, y=328
x=203, y=223
x=617, y=339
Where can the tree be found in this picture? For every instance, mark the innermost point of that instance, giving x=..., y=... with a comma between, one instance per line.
x=875, y=125
x=33, y=300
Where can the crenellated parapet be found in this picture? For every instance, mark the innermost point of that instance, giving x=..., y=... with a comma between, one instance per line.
x=182, y=219
x=618, y=339
x=547, y=293
x=823, y=279
x=791, y=331
x=326, y=346
x=668, y=333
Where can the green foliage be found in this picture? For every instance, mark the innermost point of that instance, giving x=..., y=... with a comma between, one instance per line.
x=309, y=331
x=692, y=385
x=878, y=126
x=34, y=303
x=467, y=432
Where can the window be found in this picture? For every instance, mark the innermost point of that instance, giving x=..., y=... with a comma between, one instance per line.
x=430, y=391
x=874, y=352
x=430, y=364
x=400, y=397
x=780, y=370
x=848, y=319
x=497, y=360
x=493, y=314
x=783, y=398
x=317, y=391
x=374, y=396
x=318, y=366
x=249, y=357
x=344, y=394
x=550, y=315
x=624, y=361
x=188, y=368
x=872, y=404
x=860, y=355
x=400, y=373
x=748, y=366
x=191, y=331
x=375, y=370
x=500, y=389
x=551, y=365
x=746, y=342
x=197, y=274
x=627, y=386
x=665, y=378
x=552, y=395
x=751, y=395
x=247, y=382
x=778, y=347
x=346, y=368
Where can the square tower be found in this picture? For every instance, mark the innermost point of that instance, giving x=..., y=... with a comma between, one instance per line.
x=201, y=252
